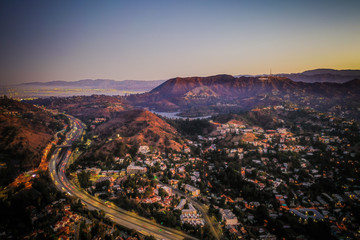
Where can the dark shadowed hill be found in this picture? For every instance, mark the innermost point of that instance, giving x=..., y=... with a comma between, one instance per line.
x=85, y=107
x=25, y=131
x=324, y=75
x=318, y=75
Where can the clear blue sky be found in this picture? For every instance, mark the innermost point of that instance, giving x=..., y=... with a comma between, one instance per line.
x=72, y=40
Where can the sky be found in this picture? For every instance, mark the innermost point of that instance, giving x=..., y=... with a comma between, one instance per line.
x=152, y=40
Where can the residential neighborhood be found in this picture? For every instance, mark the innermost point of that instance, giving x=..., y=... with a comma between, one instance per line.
x=255, y=182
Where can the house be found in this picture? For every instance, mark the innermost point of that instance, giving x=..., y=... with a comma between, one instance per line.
x=174, y=182
x=132, y=169
x=119, y=160
x=168, y=190
x=181, y=169
x=187, y=150
x=193, y=190
x=190, y=211
x=181, y=205
x=228, y=217
x=103, y=179
x=144, y=149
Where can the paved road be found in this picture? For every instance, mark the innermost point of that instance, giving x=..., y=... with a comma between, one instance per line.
x=57, y=168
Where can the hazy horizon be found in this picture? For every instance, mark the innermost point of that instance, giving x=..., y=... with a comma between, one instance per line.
x=117, y=80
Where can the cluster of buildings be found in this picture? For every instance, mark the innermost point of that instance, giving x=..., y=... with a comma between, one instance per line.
x=66, y=225
x=97, y=121
x=189, y=215
x=286, y=162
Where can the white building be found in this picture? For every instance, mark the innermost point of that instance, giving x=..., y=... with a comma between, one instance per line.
x=144, y=149
x=132, y=169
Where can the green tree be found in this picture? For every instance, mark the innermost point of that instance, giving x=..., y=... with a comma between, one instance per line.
x=84, y=179
x=162, y=193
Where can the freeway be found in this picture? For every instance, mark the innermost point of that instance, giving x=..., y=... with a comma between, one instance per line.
x=57, y=169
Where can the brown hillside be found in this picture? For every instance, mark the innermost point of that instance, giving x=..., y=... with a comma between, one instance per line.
x=25, y=131
x=244, y=92
x=141, y=127
x=235, y=121
x=223, y=85
x=248, y=137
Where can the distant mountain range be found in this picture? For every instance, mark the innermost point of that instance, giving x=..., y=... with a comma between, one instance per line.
x=220, y=92
x=317, y=75
x=126, y=85
x=321, y=75
x=204, y=96
x=112, y=87
x=84, y=87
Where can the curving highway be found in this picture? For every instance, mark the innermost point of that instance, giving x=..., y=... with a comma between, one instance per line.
x=57, y=169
